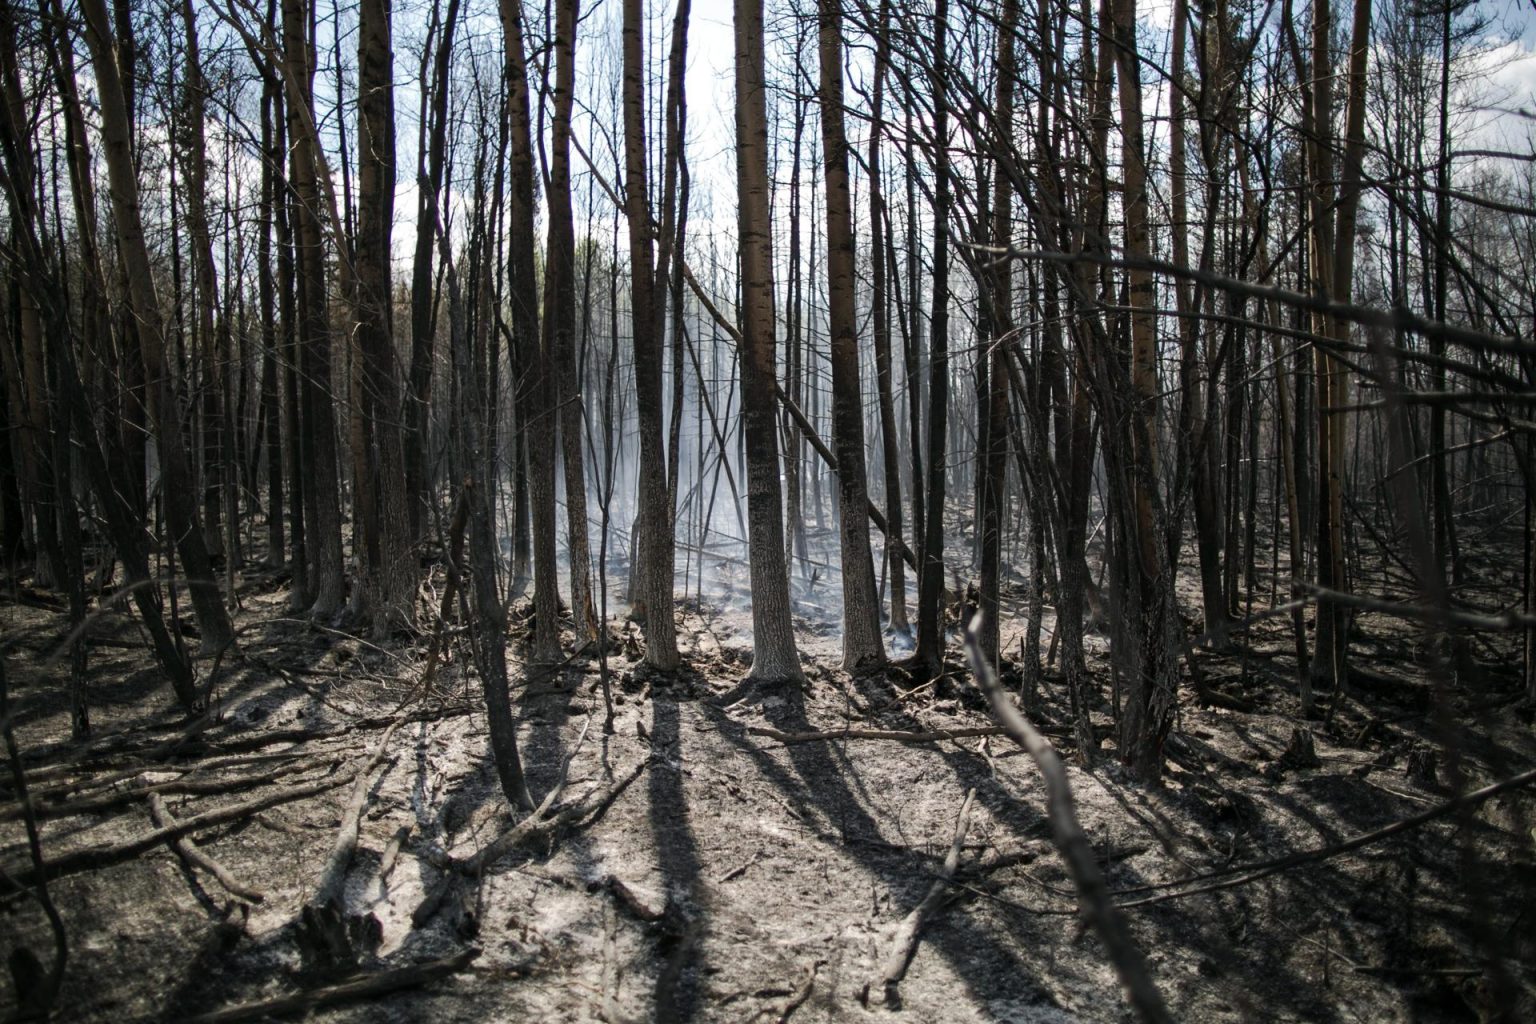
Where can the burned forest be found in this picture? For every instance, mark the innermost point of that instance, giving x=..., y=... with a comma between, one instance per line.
x=979, y=511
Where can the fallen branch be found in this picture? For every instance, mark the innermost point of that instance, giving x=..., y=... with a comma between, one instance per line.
x=196, y=858
x=85, y=784
x=905, y=945
x=109, y=854
x=1252, y=872
x=363, y=986
x=896, y=735
x=327, y=934
x=335, y=872
x=182, y=787
x=106, y=751
x=629, y=900
x=799, y=996
x=1071, y=843
x=542, y=825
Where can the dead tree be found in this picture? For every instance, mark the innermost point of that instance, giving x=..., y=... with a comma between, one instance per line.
x=775, y=658
x=390, y=576
x=536, y=387
x=653, y=562
x=560, y=319
x=861, y=607
x=176, y=467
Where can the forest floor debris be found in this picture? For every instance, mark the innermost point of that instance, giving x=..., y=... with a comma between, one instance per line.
x=735, y=852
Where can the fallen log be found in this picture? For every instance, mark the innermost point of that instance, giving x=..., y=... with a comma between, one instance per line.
x=176, y=787
x=327, y=934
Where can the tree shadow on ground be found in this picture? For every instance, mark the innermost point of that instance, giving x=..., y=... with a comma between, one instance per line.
x=819, y=784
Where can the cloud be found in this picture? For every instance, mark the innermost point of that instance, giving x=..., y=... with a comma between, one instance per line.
x=1499, y=96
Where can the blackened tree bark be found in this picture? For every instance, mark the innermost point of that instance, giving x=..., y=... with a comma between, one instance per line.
x=654, y=526
x=1152, y=692
x=861, y=607
x=490, y=613
x=775, y=658
x=537, y=376
x=930, y=624
x=432, y=161
x=180, y=497
x=994, y=440
x=272, y=327
x=880, y=329
x=212, y=327
x=324, y=591
x=1194, y=451
x=390, y=566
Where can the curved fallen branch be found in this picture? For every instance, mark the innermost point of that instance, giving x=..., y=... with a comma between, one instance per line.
x=196, y=858
x=183, y=786
x=327, y=934
x=335, y=872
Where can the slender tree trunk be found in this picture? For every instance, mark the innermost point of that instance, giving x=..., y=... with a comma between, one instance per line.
x=538, y=409
x=775, y=658
x=490, y=612
x=1328, y=665
x=271, y=332
x=389, y=559
x=193, y=152
x=654, y=525
x=861, y=606
x=930, y=625
x=317, y=453
x=180, y=500
x=1153, y=684
x=560, y=319
x=433, y=161
x=993, y=441
x=880, y=328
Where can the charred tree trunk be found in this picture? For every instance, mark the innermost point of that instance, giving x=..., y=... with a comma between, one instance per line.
x=325, y=591
x=930, y=623
x=560, y=319
x=880, y=328
x=775, y=658
x=537, y=383
x=432, y=161
x=180, y=497
x=861, y=607
x=993, y=441
x=654, y=542
x=390, y=565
